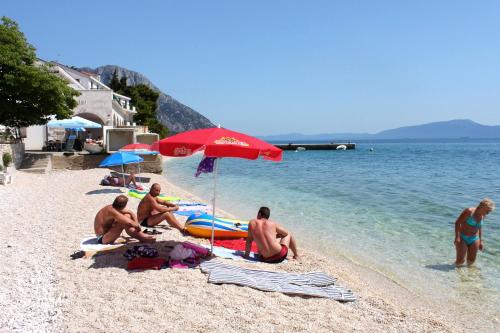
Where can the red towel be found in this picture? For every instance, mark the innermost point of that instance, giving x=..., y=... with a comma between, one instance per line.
x=235, y=244
x=146, y=263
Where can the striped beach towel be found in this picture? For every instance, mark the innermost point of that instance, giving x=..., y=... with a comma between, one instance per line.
x=317, y=284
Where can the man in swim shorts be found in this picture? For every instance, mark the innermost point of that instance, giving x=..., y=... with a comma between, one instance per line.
x=152, y=210
x=112, y=219
x=273, y=241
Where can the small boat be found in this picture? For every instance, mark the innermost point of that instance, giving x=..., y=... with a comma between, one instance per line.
x=341, y=147
x=301, y=148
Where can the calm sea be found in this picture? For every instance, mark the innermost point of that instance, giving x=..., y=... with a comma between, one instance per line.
x=392, y=209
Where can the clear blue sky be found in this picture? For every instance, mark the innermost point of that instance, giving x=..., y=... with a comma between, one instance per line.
x=273, y=67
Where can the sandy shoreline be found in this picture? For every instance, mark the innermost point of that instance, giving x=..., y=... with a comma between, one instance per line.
x=44, y=217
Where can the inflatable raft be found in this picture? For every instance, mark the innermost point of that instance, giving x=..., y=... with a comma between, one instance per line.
x=200, y=225
x=141, y=194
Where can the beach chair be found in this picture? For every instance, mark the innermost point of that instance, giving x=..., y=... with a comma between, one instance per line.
x=137, y=178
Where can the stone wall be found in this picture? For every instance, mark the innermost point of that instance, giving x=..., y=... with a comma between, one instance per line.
x=16, y=150
x=151, y=164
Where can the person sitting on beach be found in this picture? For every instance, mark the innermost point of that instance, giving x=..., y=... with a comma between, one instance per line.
x=272, y=239
x=152, y=210
x=468, y=235
x=112, y=219
x=120, y=181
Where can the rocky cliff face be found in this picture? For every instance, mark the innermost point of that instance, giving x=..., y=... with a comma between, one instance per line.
x=176, y=116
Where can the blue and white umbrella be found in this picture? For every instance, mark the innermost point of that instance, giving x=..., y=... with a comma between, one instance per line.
x=75, y=122
x=121, y=158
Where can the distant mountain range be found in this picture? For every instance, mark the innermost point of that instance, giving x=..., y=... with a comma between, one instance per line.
x=452, y=129
x=176, y=116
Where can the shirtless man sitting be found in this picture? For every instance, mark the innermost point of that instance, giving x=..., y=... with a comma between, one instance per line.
x=272, y=239
x=152, y=210
x=111, y=220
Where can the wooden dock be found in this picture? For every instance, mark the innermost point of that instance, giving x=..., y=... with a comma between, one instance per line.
x=316, y=146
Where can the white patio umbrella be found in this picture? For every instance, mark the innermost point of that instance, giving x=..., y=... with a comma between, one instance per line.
x=74, y=123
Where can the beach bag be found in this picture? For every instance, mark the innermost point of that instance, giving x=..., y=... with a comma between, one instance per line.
x=144, y=251
x=180, y=253
x=198, y=249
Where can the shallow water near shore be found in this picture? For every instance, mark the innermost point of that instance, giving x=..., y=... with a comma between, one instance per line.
x=391, y=209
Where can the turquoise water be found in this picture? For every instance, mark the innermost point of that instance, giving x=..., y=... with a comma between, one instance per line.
x=392, y=209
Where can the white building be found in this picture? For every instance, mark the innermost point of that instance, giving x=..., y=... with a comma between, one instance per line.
x=97, y=102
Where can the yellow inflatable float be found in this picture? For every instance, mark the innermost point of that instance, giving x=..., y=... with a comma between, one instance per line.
x=200, y=225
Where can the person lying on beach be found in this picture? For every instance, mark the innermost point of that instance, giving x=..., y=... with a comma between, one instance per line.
x=152, y=210
x=468, y=235
x=112, y=219
x=272, y=239
x=120, y=181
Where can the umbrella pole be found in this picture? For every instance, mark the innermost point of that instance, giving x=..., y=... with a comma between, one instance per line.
x=138, y=179
x=123, y=175
x=213, y=208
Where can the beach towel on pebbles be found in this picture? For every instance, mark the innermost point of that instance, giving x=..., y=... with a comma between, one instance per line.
x=222, y=252
x=317, y=284
x=91, y=244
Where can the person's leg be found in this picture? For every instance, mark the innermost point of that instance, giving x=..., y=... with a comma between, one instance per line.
x=286, y=240
x=293, y=247
x=155, y=219
x=173, y=222
x=289, y=241
x=145, y=238
x=130, y=179
x=472, y=252
x=461, y=249
x=112, y=234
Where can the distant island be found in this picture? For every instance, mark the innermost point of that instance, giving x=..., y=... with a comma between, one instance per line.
x=452, y=129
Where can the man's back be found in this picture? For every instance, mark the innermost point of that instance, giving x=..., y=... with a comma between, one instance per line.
x=264, y=234
x=103, y=219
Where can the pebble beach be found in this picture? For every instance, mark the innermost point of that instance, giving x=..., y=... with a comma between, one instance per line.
x=44, y=289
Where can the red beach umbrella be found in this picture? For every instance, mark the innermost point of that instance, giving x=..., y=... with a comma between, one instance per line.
x=217, y=142
x=136, y=146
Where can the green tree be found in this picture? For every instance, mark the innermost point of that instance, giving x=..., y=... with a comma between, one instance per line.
x=29, y=93
x=156, y=127
x=6, y=159
x=115, y=83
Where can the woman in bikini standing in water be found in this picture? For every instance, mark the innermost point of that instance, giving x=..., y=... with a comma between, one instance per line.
x=468, y=237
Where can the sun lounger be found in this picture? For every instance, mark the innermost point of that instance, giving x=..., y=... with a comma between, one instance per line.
x=317, y=284
x=138, y=179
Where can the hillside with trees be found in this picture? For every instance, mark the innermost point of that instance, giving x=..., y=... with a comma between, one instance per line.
x=144, y=99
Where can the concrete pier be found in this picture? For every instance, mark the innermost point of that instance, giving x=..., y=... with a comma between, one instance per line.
x=315, y=146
